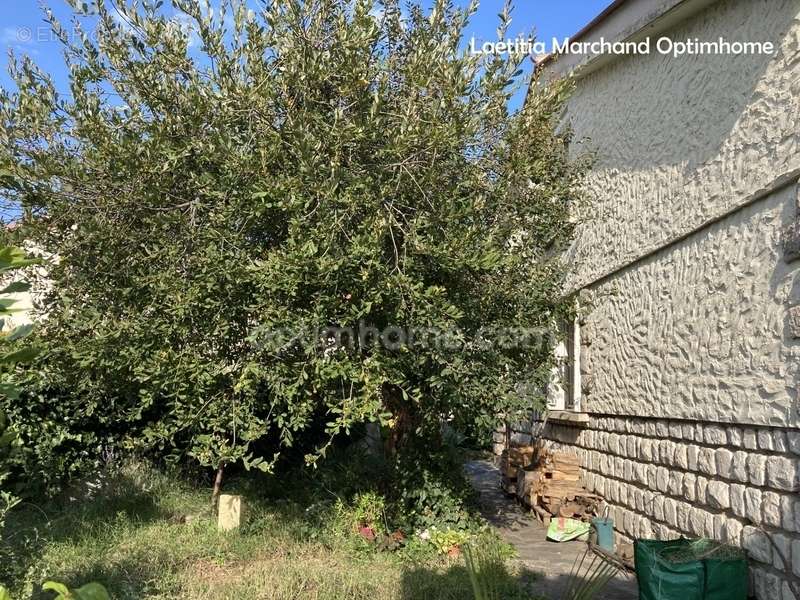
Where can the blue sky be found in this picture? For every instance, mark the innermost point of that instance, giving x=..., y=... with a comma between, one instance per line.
x=22, y=27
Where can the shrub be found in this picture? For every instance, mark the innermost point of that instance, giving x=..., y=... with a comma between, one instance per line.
x=237, y=210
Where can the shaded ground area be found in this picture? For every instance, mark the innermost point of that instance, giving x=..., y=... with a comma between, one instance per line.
x=552, y=560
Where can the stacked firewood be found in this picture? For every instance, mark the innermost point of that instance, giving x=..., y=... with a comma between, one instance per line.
x=548, y=482
x=513, y=461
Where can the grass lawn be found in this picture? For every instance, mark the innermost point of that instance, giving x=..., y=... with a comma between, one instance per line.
x=149, y=535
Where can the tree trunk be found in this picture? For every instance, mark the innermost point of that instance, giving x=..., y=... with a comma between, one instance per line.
x=217, y=487
x=403, y=415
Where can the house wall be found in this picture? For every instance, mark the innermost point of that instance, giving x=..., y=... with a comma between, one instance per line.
x=689, y=358
x=699, y=330
x=682, y=141
x=27, y=305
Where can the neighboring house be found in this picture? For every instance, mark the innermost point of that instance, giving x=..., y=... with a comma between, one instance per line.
x=682, y=397
x=26, y=303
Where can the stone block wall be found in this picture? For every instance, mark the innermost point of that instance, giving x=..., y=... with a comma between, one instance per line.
x=666, y=479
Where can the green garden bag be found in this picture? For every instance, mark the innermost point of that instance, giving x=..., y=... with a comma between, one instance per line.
x=690, y=570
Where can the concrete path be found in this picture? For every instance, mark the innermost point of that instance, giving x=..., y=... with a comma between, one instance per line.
x=551, y=560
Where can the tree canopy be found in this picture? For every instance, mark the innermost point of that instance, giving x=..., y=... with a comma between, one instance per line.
x=282, y=221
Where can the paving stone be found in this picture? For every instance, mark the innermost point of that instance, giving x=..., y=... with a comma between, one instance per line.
x=662, y=479
x=789, y=507
x=794, y=321
x=640, y=473
x=646, y=450
x=793, y=440
x=682, y=513
x=796, y=557
x=691, y=457
x=658, y=507
x=698, y=432
x=670, y=512
x=697, y=521
x=780, y=441
x=702, y=487
x=781, y=555
x=733, y=532
x=666, y=452
x=628, y=470
x=675, y=486
x=690, y=486
x=772, y=585
x=787, y=592
x=719, y=526
x=552, y=561
x=680, y=458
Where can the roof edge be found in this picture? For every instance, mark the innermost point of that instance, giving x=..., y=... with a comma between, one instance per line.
x=622, y=21
x=581, y=33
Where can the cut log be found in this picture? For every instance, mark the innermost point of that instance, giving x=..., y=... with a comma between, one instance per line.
x=521, y=457
x=548, y=482
x=509, y=486
x=572, y=510
x=565, y=461
x=508, y=470
x=562, y=475
x=526, y=480
x=543, y=515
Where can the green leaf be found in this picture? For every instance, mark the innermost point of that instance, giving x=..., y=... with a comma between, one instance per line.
x=14, y=258
x=59, y=588
x=10, y=391
x=7, y=437
x=92, y=591
x=6, y=304
x=4, y=594
x=19, y=332
x=16, y=287
x=22, y=355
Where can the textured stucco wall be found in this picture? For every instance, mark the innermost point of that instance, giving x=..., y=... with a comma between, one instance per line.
x=681, y=141
x=699, y=330
x=682, y=252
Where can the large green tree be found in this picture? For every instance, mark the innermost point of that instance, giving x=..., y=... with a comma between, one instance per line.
x=222, y=186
